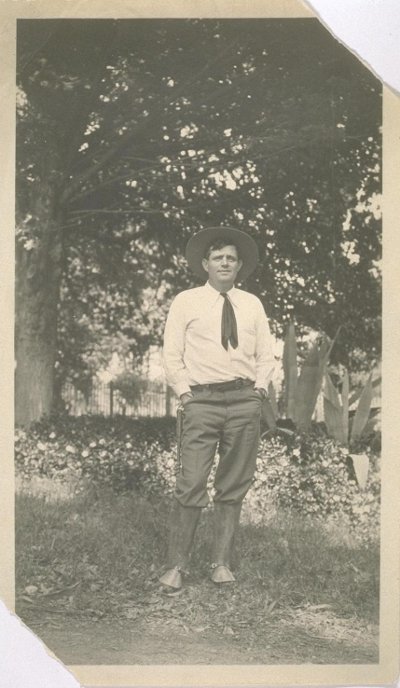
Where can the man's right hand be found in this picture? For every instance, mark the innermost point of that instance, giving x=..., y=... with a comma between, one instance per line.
x=184, y=398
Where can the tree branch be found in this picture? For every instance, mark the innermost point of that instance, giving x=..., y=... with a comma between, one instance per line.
x=84, y=111
x=227, y=164
x=105, y=211
x=129, y=136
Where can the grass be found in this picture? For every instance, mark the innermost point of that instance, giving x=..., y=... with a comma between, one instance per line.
x=113, y=546
x=98, y=557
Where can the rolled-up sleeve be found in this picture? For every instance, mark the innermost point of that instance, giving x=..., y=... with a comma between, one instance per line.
x=265, y=361
x=174, y=347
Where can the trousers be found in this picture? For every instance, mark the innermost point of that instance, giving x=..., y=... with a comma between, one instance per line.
x=227, y=421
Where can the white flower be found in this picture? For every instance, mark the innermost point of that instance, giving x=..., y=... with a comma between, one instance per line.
x=30, y=244
x=69, y=449
x=128, y=445
x=85, y=453
x=52, y=435
x=102, y=441
x=93, y=444
x=41, y=446
x=296, y=452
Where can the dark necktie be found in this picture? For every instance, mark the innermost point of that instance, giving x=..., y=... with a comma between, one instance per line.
x=229, y=331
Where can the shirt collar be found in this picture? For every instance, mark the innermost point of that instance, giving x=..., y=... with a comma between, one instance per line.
x=214, y=294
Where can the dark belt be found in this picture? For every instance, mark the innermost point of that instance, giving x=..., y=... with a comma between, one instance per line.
x=223, y=386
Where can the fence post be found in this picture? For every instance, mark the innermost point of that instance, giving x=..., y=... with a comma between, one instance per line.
x=168, y=401
x=111, y=399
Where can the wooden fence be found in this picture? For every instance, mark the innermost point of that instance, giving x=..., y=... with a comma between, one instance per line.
x=156, y=399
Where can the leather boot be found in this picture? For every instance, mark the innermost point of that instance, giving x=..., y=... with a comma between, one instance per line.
x=226, y=520
x=183, y=524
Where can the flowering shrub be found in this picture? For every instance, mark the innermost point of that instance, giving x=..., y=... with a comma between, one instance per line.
x=312, y=475
x=309, y=474
x=120, y=453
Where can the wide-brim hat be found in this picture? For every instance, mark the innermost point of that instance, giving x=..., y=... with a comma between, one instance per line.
x=198, y=244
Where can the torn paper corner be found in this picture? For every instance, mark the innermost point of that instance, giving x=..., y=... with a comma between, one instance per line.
x=370, y=30
x=25, y=661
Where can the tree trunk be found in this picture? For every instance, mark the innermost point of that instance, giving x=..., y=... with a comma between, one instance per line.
x=38, y=275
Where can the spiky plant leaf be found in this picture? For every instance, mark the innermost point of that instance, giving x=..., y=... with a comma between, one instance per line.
x=331, y=393
x=363, y=411
x=273, y=400
x=334, y=421
x=345, y=404
x=356, y=395
x=361, y=468
x=310, y=382
x=333, y=411
x=290, y=371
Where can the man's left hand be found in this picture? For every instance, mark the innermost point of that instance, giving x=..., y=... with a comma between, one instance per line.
x=261, y=392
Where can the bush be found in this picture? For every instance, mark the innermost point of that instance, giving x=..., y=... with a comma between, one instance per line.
x=312, y=475
x=129, y=385
x=307, y=474
x=121, y=453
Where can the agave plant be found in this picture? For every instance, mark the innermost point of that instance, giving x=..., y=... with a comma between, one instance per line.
x=337, y=419
x=301, y=390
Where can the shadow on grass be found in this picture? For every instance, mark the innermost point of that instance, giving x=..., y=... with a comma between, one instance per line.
x=303, y=593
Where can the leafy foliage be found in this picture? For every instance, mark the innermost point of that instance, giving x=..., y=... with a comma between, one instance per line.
x=120, y=453
x=308, y=473
x=354, y=434
x=153, y=129
x=129, y=386
x=313, y=476
x=336, y=409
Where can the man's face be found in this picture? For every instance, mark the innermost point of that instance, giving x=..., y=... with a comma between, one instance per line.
x=222, y=266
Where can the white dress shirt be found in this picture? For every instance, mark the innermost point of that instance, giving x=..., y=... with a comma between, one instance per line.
x=193, y=353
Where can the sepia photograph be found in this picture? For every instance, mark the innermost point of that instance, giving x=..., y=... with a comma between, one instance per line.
x=198, y=342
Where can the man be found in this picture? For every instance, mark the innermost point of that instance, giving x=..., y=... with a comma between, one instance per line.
x=218, y=358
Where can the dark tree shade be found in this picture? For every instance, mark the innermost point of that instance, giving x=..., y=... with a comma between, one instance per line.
x=132, y=134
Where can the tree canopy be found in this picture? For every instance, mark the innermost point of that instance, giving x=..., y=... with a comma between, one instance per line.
x=133, y=134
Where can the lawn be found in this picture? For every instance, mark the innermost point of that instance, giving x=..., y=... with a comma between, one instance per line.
x=86, y=576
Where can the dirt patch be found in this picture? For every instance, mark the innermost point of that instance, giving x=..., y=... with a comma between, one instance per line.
x=316, y=639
